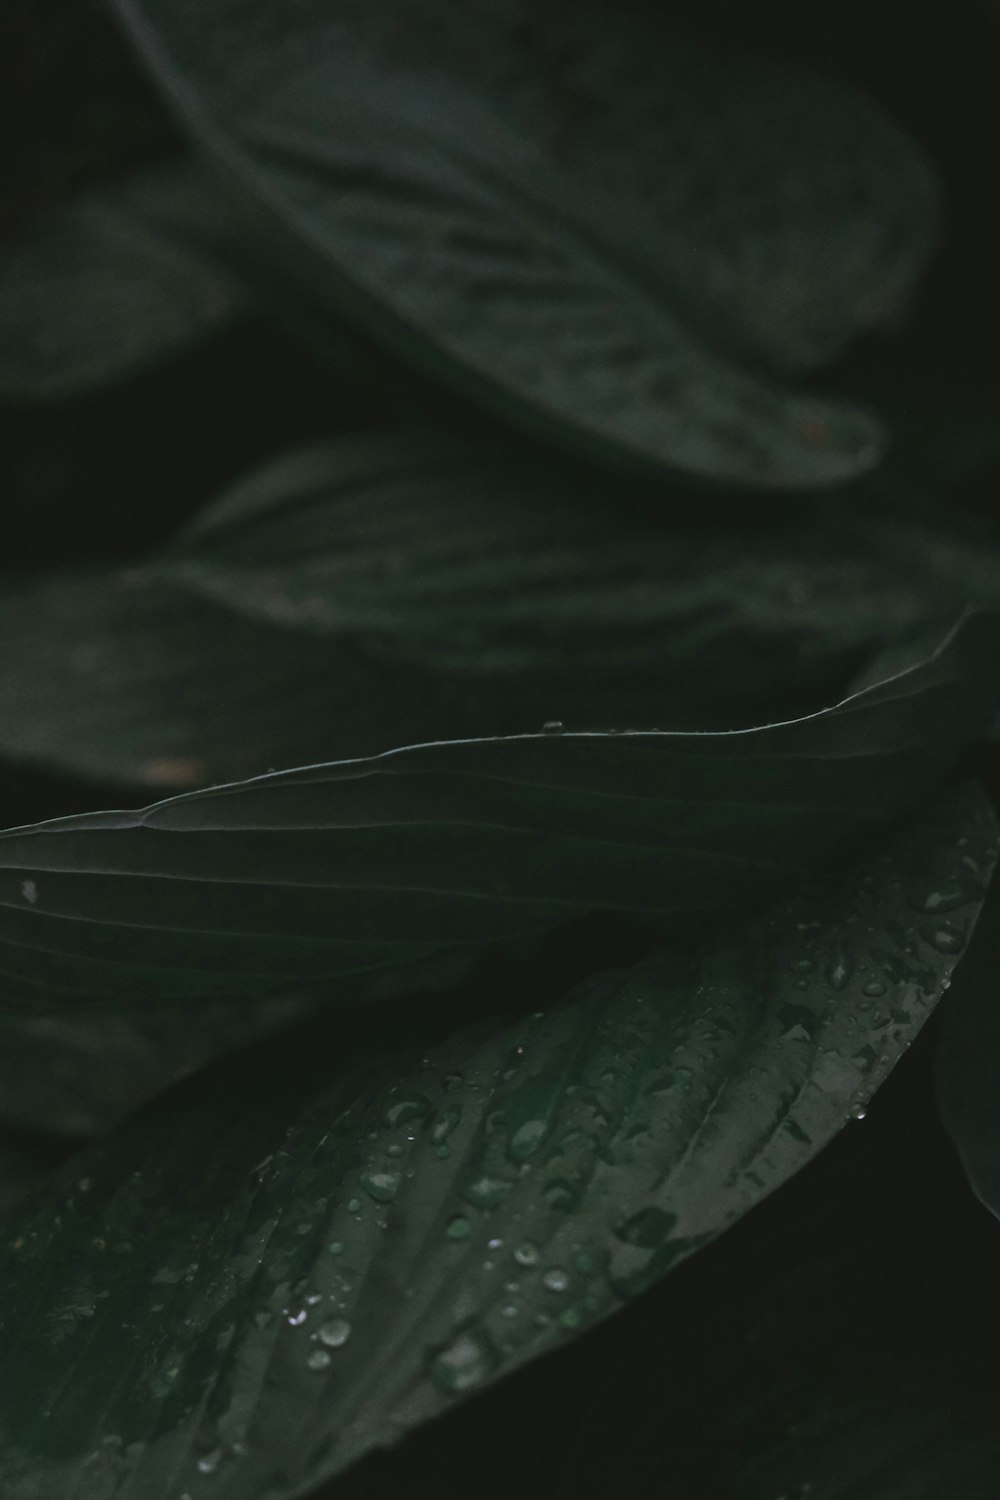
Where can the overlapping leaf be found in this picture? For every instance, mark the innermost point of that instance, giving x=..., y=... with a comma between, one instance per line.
x=296, y=1262
x=595, y=232
x=456, y=557
x=123, y=679
x=114, y=283
x=357, y=865
x=968, y=1071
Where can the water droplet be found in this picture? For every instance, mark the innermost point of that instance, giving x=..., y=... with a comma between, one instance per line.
x=873, y=988
x=486, y=1192
x=335, y=1333
x=570, y=1317
x=461, y=1364
x=553, y=726
x=947, y=940
x=494, y=1244
x=526, y=1139
x=209, y=1462
x=444, y=1125
x=647, y=1228
x=858, y=1111
x=336, y=1247
x=297, y=1318
x=941, y=898
x=382, y=1186
x=413, y=1108
x=29, y=890
x=838, y=971
x=560, y=1195
x=354, y=1205
x=556, y=1279
x=458, y=1227
x=318, y=1360
x=798, y=1023
x=526, y=1254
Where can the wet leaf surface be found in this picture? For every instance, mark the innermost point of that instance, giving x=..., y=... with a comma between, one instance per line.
x=295, y=1261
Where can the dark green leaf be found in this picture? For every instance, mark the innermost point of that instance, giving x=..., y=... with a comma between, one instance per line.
x=122, y=679
x=276, y=1272
x=360, y=865
x=455, y=556
x=968, y=1063
x=114, y=283
x=595, y=232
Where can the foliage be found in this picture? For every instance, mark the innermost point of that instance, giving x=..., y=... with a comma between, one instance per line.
x=577, y=758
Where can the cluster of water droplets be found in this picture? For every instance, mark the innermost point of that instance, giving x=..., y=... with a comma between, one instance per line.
x=551, y=1167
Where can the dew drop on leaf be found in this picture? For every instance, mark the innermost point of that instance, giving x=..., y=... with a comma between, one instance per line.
x=382, y=1186
x=486, y=1192
x=403, y=1110
x=838, y=972
x=947, y=940
x=526, y=1140
x=461, y=1364
x=647, y=1228
x=941, y=898
x=335, y=1333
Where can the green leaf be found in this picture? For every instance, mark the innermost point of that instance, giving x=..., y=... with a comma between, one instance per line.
x=116, y=282
x=123, y=679
x=459, y=558
x=603, y=236
x=361, y=865
x=269, y=1275
x=968, y=1060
